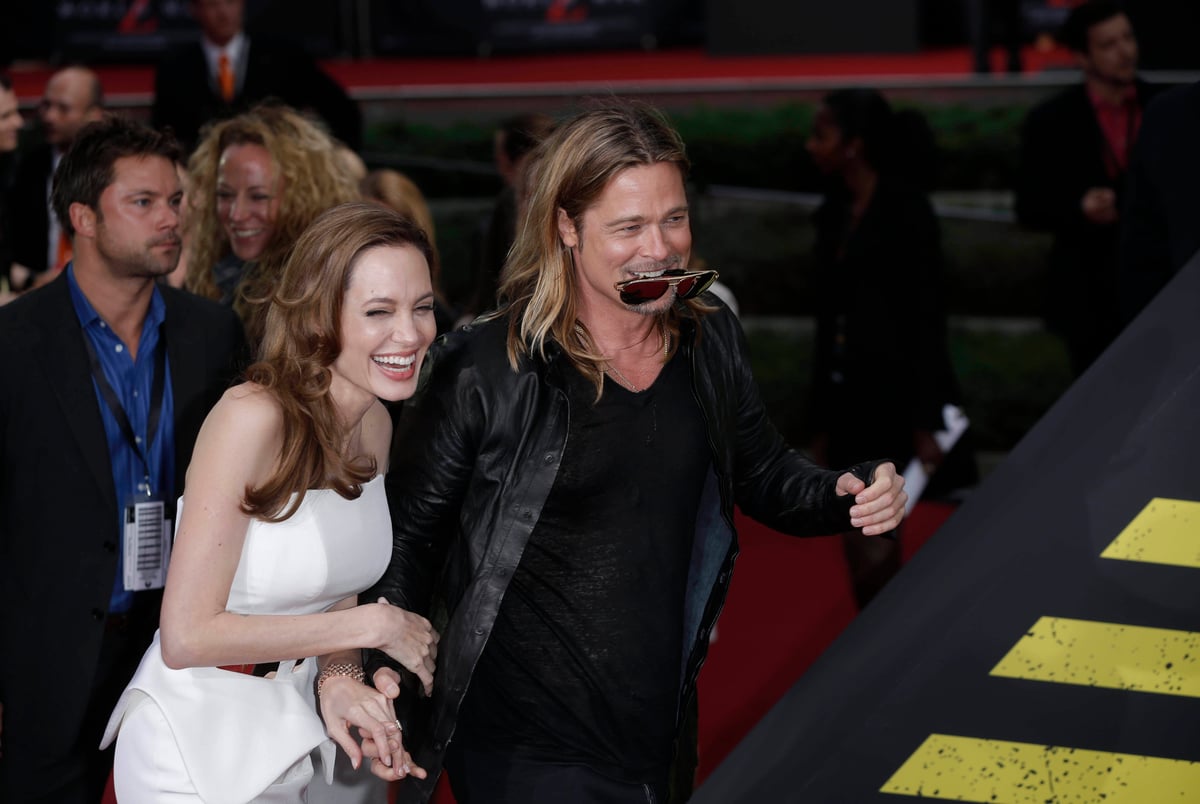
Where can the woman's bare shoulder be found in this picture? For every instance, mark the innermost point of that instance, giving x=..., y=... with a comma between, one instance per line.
x=247, y=419
x=377, y=434
x=251, y=401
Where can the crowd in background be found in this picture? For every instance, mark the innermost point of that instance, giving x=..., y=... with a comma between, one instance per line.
x=227, y=73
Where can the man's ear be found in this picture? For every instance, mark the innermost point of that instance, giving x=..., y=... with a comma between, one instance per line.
x=566, y=229
x=83, y=219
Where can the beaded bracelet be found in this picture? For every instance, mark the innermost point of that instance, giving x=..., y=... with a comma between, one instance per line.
x=354, y=671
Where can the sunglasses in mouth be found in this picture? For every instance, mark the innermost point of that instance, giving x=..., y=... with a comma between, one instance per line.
x=687, y=284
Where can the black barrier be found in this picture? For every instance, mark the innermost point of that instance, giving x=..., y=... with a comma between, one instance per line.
x=747, y=27
x=1043, y=645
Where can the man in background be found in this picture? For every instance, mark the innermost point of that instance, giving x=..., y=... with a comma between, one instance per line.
x=10, y=128
x=10, y=116
x=1074, y=156
x=512, y=148
x=108, y=376
x=227, y=71
x=1161, y=226
x=40, y=248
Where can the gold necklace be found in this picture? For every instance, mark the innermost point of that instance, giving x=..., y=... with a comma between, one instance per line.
x=615, y=372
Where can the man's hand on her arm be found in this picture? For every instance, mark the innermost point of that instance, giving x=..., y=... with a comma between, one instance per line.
x=879, y=507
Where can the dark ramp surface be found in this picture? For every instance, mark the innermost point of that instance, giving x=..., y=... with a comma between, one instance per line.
x=1027, y=653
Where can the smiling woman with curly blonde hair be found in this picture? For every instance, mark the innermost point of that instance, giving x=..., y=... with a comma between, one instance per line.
x=257, y=181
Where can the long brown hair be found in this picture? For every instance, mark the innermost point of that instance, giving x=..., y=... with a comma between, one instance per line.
x=301, y=340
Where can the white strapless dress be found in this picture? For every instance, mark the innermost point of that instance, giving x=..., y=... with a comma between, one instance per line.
x=213, y=735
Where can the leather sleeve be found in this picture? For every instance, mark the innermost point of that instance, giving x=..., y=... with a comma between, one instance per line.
x=773, y=483
x=433, y=457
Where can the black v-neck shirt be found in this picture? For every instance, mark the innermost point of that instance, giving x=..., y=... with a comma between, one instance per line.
x=584, y=662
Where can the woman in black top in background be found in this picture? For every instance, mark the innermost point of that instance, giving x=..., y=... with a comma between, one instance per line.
x=881, y=317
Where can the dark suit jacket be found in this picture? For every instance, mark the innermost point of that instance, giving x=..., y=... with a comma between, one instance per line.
x=58, y=509
x=1062, y=156
x=1161, y=223
x=9, y=163
x=185, y=97
x=28, y=211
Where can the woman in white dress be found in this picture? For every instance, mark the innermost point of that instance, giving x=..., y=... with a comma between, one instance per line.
x=285, y=522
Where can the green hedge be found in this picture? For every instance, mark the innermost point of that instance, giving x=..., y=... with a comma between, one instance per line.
x=1008, y=379
x=746, y=147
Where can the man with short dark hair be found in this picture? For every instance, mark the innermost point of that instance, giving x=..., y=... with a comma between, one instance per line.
x=108, y=377
x=227, y=71
x=567, y=482
x=73, y=98
x=1074, y=157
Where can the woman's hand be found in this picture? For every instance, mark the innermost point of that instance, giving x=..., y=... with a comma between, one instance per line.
x=348, y=703
x=409, y=639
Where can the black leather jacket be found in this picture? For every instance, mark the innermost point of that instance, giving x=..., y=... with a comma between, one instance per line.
x=476, y=455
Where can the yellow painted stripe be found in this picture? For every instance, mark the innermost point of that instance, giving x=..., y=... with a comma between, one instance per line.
x=1165, y=532
x=1093, y=654
x=970, y=769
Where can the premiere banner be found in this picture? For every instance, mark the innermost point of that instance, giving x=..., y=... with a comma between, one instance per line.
x=1044, y=645
x=131, y=31
x=481, y=27
x=140, y=31
x=522, y=25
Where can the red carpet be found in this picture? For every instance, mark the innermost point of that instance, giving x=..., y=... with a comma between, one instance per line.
x=788, y=600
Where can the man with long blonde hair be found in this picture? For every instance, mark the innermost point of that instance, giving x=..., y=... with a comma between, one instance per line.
x=568, y=479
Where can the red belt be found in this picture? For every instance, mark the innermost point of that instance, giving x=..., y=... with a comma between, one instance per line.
x=248, y=669
x=252, y=669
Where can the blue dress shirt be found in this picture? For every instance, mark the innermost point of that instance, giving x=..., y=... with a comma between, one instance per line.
x=132, y=381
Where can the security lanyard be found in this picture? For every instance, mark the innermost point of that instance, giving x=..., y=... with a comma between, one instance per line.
x=114, y=404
